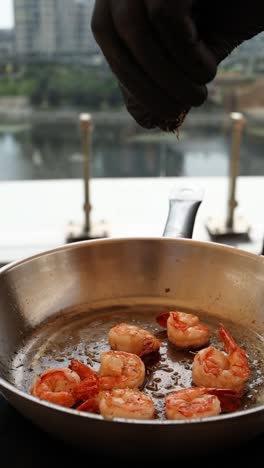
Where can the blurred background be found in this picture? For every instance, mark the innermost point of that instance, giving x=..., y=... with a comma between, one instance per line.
x=51, y=71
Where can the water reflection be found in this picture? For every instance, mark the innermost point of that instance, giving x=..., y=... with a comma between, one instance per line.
x=45, y=152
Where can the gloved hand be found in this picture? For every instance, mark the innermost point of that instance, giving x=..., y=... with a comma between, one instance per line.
x=164, y=52
x=224, y=25
x=154, y=50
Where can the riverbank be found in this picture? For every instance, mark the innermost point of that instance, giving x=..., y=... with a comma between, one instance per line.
x=213, y=120
x=16, y=113
x=14, y=110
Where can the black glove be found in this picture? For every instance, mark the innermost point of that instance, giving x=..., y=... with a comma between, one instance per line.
x=153, y=48
x=164, y=52
x=223, y=25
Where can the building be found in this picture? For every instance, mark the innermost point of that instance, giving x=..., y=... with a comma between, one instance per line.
x=53, y=27
x=83, y=36
x=6, y=42
x=246, y=54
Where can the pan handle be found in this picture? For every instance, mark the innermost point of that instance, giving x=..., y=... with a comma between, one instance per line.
x=184, y=202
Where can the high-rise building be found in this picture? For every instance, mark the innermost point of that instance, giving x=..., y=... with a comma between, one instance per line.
x=83, y=36
x=6, y=42
x=53, y=27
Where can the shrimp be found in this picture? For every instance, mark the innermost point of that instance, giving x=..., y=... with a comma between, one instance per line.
x=81, y=369
x=89, y=385
x=125, y=403
x=199, y=402
x=212, y=367
x=132, y=339
x=90, y=406
x=120, y=370
x=184, y=330
x=57, y=386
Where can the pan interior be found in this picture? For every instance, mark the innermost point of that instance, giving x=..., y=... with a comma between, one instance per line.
x=85, y=335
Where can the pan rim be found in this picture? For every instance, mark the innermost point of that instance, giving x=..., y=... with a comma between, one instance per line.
x=82, y=244
x=159, y=422
x=112, y=240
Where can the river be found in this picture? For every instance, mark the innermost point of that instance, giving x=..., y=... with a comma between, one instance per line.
x=46, y=152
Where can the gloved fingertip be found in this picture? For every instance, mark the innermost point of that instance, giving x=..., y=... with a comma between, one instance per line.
x=148, y=120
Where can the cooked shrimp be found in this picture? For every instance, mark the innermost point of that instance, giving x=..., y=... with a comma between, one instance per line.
x=132, y=339
x=57, y=386
x=120, y=370
x=90, y=406
x=212, y=367
x=89, y=385
x=125, y=403
x=184, y=330
x=198, y=402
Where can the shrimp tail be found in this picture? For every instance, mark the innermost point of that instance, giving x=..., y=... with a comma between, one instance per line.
x=228, y=341
x=162, y=319
x=81, y=369
x=88, y=388
x=230, y=400
x=224, y=392
x=229, y=404
x=90, y=406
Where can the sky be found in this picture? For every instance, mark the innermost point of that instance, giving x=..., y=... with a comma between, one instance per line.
x=6, y=14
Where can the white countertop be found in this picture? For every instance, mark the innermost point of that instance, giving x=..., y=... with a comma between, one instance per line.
x=35, y=215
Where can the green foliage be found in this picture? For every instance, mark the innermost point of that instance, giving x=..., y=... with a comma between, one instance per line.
x=8, y=88
x=57, y=85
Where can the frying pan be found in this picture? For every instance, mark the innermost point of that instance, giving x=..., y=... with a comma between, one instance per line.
x=61, y=303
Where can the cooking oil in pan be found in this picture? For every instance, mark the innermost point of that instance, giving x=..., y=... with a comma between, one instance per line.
x=85, y=336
